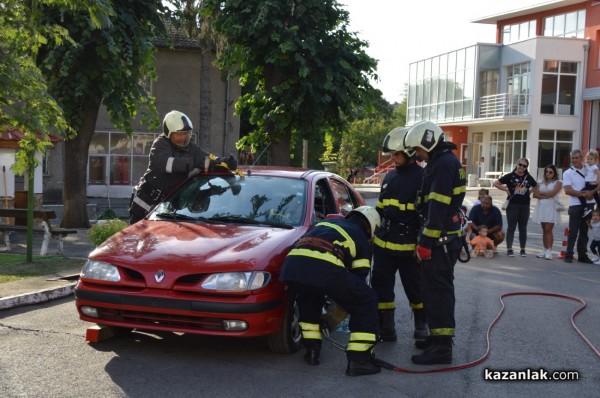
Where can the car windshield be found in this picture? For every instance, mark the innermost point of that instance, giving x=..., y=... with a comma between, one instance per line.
x=274, y=201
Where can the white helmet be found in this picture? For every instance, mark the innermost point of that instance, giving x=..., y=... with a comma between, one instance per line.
x=425, y=134
x=370, y=214
x=176, y=121
x=394, y=142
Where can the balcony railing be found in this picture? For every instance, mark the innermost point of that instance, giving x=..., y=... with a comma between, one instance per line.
x=501, y=105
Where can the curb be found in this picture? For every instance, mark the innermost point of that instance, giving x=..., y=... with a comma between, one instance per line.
x=40, y=296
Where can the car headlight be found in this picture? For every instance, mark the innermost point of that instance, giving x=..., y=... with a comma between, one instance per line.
x=236, y=281
x=101, y=271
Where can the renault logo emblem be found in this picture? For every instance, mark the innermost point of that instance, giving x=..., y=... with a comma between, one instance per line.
x=159, y=276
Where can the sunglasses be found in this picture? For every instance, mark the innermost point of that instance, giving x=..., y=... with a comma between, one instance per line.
x=522, y=165
x=549, y=171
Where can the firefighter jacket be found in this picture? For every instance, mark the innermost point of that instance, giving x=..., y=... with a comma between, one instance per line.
x=397, y=235
x=331, y=247
x=170, y=165
x=441, y=195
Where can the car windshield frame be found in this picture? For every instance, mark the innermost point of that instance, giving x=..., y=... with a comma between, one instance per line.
x=251, y=200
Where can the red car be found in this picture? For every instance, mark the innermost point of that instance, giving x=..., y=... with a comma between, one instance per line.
x=207, y=259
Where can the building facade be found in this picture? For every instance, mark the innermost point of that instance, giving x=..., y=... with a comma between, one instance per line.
x=534, y=93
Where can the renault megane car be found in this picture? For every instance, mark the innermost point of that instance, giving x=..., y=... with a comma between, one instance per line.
x=207, y=259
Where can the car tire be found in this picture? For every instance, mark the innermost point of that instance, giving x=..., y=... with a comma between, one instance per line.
x=289, y=339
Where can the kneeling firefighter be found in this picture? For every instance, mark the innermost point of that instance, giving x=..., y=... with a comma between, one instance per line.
x=333, y=259
x=439, y=243
x=396, y=240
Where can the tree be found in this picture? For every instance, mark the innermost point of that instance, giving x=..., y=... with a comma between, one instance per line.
x=302, y=71
x=361, y=143
x=101, y=66
x=24, y=99
x=186, y=15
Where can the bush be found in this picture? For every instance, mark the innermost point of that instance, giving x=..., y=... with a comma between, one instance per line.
x=102, y=231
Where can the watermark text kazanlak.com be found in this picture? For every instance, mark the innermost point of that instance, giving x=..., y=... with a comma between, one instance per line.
x=540, y=374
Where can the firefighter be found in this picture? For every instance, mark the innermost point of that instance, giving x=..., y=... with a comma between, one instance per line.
x=396, y=239
x=172, y=158
x=439, y=242
x=333, y=259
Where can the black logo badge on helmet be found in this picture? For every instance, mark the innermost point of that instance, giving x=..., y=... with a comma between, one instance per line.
x=428, y=140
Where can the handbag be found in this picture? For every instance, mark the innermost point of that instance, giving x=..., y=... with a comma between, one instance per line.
x=506, y=203
x=558, y=206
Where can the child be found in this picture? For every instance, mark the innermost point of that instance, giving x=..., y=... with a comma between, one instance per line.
x=595, y=236
x=591, y=180
x=482, y=245
x=482, y=193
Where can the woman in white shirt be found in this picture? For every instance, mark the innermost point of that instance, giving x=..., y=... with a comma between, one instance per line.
x=547, y=192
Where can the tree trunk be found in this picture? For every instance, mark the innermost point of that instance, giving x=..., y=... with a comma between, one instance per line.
x=75, y=160
x=280, y=150
x=205, y=102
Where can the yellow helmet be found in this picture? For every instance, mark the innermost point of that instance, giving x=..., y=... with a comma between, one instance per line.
x=425, y=135
x=370, y=214
x=394, y=142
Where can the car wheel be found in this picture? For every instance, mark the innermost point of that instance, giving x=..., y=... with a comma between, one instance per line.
x=289, y=339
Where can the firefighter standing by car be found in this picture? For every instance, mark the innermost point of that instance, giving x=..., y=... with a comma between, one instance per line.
x=396, y=239
x=439, y=243
x=172, y=157
x=333, y=259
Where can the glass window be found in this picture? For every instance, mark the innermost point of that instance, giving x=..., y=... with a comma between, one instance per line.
x=120, y=144
x=97, y=170
x=555, y=151
x=120, y=170
x=142, y=144
x=558, y=88
x=571, y=24
x=99, y=143
x=506, y=147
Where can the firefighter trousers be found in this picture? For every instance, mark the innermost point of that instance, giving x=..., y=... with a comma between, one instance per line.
x=383, y=279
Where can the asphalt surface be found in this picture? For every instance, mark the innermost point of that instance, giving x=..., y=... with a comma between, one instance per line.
x=41, y=289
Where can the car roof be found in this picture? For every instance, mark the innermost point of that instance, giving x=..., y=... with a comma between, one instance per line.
x=278, y=171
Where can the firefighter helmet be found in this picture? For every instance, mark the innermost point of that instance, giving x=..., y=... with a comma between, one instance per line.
x=425, y=135
x=370, y=214
x=394, y=142
x=176, y=121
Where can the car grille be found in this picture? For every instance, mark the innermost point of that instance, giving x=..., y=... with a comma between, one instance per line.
x=152, y=319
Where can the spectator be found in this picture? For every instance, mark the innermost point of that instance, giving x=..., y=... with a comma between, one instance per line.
x=486, y=214
x=547, y=193
x=573, y=184
x=592, y=178
x=482, y=192
x=482, y=245
x=517, y=184
x=595, y=245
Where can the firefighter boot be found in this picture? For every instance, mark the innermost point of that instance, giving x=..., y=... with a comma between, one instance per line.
x=387, y=325
x=362, y=368
x=440, y=352
x=312, y=356
x=421, y=329
x=424, y=344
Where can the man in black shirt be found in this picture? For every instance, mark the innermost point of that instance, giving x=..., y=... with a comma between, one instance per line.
x=489, y=215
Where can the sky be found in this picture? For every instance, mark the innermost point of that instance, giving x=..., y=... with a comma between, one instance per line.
x=403, y=31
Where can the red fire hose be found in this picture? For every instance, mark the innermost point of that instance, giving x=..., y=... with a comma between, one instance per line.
x=390, y=366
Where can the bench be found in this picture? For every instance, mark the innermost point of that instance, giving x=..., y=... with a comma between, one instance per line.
x=46, y=228
x=489, y=177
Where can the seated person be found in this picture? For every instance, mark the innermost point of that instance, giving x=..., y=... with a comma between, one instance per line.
x=482, y=245
x=489, y=215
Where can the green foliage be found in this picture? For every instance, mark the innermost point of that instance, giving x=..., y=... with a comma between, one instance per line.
x=302, y=71
x=361, y=143
x=102, y=231
x=107, y=65
x=14, y=267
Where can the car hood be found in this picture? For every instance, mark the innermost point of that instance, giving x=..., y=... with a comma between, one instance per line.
x=186, y=247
